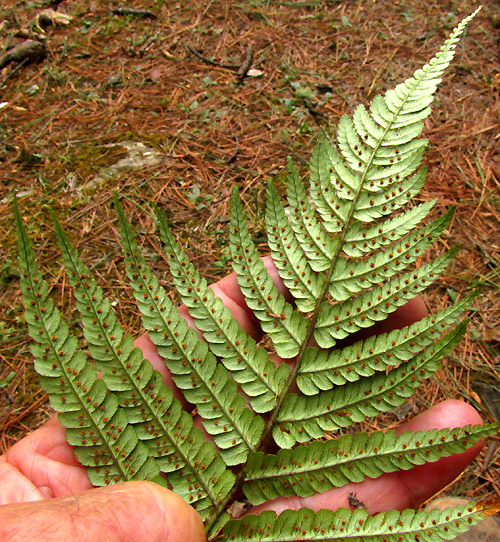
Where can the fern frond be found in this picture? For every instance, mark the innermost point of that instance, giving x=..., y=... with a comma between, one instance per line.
x=304, y=418
x=323, y=465
x=357, y=525
x=340, y=195
x=348, y=251
x=362, y=190
x=285, y=326
x=115, y=357
x=330, y=195
x=372, y=206
x=323, y=370
x=352, y=277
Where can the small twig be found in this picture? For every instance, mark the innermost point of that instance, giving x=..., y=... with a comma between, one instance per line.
x=209, y=61
x=492, y=448
x=235, y=153
x=134, y=12
x=9, y=395
x=241, y=69
x=33, y=406
x=29, y=50
x=247, y=63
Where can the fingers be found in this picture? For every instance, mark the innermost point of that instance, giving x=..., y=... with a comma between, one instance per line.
x=132, y=511
x=403, y=489
x=41, y=466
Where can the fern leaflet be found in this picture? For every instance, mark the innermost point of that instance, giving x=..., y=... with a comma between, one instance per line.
x=357, y=525
x=96, y=425
x=322, y=465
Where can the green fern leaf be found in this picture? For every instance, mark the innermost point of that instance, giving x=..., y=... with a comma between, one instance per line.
x=341, y=320
x=360, y=240
x=85, y=408
x=348, y=251
x=323, y=370
x=284, y=325
x=122, y=366
x=354, y=276
x=303, y=418
x=332, y=198
x=323, y=465
x=297, y=274
x=132, y=378
x=318, y=247
x=356, y=526
x=376, y=205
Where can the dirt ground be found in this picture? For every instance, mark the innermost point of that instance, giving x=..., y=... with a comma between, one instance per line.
x=153, y=104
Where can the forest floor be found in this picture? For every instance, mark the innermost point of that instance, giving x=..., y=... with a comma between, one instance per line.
x=150, y=104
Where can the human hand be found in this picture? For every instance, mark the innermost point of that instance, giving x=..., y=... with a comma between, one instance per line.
x=48, y=496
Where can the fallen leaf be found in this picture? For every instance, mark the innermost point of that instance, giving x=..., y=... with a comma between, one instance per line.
x=255, y=73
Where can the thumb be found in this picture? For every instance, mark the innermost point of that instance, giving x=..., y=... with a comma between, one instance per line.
x=135, y=511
